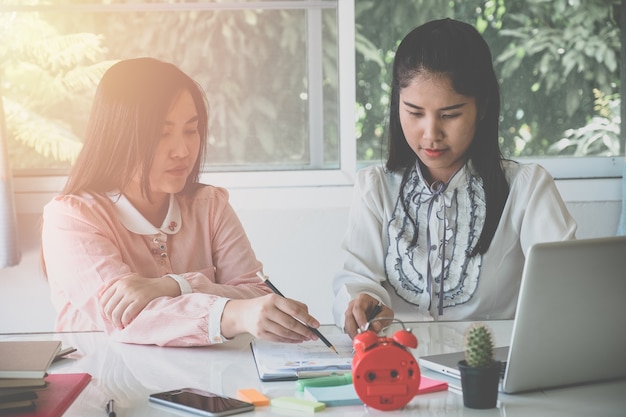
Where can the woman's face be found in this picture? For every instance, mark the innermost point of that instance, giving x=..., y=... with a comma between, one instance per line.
x=438, y=123
x=177, y=149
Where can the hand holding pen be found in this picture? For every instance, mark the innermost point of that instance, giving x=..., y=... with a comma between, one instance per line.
x=267, y=282
x=363, y=309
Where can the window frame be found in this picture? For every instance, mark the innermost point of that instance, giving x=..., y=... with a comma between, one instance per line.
x=583, y=168
x=303, y=176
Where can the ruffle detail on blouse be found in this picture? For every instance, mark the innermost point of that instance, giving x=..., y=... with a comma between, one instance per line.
x=445, y=222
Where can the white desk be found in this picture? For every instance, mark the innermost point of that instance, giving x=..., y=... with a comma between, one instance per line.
x=129, y=373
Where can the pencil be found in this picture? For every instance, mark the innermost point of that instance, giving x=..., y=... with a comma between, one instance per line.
x=267, y=282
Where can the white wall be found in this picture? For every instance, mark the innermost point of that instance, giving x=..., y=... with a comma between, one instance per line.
x=296, y=233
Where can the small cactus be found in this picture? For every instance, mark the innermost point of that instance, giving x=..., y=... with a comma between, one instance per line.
x=478, y=346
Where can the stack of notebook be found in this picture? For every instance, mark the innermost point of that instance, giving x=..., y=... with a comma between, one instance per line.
x=23, y=368
x=26, y=389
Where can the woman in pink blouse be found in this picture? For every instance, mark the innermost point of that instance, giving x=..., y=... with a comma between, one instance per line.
x=136, y=246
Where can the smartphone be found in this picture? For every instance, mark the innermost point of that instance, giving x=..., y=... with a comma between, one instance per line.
x=200, y=402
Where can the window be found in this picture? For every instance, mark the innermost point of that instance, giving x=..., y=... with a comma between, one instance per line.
x=558, y=64
x=284, y=77
x=270, y=70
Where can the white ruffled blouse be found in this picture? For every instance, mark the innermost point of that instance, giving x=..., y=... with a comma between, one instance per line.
x=402, y=260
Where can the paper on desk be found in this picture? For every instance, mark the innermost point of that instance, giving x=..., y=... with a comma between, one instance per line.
x=286, y=361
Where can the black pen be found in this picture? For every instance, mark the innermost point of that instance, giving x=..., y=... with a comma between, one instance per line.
x=372, y=315
x=110, y=408
x=267, y=282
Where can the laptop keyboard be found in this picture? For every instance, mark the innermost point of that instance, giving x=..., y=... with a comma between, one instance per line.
x=502, y=369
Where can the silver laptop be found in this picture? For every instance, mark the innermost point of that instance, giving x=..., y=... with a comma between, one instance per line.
x=568, y=328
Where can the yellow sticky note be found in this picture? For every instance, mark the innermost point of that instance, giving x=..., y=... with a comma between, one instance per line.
x=293, y=403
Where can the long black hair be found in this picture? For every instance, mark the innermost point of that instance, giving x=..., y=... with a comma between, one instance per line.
x=456, y=50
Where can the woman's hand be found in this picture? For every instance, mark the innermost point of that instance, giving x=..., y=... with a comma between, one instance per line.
x=361, y=310
x=270, y=317
x=122, y=300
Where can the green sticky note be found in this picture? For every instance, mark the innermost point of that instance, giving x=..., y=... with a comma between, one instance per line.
x=293, y=403
x=324, y=381
x=333, y=396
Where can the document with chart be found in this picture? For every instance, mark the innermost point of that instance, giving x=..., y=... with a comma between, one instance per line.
x=287, y=361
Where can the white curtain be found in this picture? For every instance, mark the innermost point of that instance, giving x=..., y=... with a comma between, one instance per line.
x=10, y=254
x=621, y=229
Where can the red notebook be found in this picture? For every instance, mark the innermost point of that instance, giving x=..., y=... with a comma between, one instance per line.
x=61, y=392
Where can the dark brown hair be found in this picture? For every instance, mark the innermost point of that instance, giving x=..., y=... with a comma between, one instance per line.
x=127, y=116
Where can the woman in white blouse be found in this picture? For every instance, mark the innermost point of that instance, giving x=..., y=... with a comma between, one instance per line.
x=447, y=207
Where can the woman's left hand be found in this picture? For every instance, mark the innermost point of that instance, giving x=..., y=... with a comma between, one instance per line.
x=122, y=300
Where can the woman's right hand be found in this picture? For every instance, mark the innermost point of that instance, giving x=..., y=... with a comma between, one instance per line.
x=360, y=311
x=270, y=317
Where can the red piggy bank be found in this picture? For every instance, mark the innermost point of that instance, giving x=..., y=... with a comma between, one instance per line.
x=385, y=374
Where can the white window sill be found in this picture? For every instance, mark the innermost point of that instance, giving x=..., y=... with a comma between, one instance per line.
x=295, y=190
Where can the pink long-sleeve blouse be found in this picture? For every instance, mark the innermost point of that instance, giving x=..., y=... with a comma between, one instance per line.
x=90, y=239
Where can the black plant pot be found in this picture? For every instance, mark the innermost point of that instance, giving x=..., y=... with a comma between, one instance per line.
x=480, y=385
